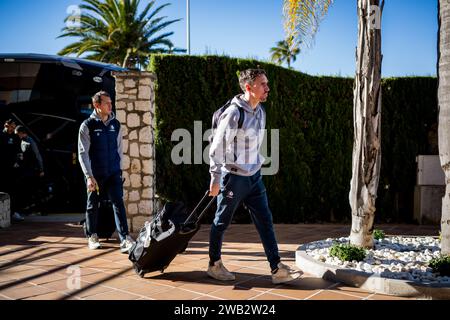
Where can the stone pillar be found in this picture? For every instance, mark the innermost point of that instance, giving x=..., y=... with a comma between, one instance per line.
x=5, y=211
x=135, y=109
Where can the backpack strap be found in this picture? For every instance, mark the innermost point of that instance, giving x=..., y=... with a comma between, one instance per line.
x=241, y=116
x=218, y=113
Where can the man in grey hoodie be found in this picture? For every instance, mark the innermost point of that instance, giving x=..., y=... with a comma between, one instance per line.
x=235, y=167
x=100, y=154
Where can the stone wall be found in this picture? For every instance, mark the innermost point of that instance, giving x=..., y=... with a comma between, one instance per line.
x=135, y=110
x=5, y=211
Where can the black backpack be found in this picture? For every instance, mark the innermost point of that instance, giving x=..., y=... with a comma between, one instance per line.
x=218, y=113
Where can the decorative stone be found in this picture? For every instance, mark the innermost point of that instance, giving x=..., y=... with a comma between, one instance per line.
x=147, y=167
x=147, y=181
x=409, y=262
x=121, y=105
x=147, y=193
x=119, y=87
x=125, y=162
x=145, y=81
x=147, y=118
x=144, y=92
x=135, y=166
x=142, y=105
x=125, y=144
x=133, y=135
x=121, y=116
x=129, y=83
x=146, y=151
x=133, y=120
x=125, y=176
x=132, y=209
x=131, y=92
x=134, y=196
x=121, y=96
x=146, y=207
x=145, y=135
x=139, y=222
x=136, y=181
x=134, y=150
x=135, y=111
x=124, y=130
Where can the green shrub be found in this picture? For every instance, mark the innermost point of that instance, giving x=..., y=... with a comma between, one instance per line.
x=441, y=265
x=314, y=115
x=408, y=128
x=378, y=234
x=347, y=252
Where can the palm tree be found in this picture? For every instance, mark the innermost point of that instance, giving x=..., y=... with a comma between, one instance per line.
x=367, y=126
x=283, y=52
x=114, y=31
x=302, y=18
x=444, y=115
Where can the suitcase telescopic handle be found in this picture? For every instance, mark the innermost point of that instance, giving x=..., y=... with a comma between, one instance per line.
x=206, y=196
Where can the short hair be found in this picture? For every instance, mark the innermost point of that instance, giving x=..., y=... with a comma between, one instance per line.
x=20, y=129
x=249, y=76
x=10, y=122
x=97, y=98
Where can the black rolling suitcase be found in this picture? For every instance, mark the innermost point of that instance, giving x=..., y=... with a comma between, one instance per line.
x=106, y=223
x=165, y=236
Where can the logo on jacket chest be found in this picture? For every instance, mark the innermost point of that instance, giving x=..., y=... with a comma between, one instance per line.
x=98, y=132
x=110, y=129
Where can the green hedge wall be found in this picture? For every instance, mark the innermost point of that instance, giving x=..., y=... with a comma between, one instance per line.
x=409, y=128
x=314, y=116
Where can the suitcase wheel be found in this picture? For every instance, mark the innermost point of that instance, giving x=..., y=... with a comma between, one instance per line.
x=162, y=270
x=140, y=273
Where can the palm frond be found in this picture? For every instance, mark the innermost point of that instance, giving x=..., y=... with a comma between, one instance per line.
x=302, y=19
x=115, y=31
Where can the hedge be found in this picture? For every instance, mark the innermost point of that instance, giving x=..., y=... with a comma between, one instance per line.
x=314, y=116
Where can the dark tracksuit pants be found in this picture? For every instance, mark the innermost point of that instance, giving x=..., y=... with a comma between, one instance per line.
x=112, y=187
x=252, y=192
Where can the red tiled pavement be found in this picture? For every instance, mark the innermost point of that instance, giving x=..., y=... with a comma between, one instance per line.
x=35, y=258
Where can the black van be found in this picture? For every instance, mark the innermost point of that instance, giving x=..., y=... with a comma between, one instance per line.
x=51, y=96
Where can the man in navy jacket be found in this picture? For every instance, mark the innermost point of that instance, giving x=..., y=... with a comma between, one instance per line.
x=100, y=155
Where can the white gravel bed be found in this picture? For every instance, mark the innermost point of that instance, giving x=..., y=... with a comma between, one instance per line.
x=403, y=258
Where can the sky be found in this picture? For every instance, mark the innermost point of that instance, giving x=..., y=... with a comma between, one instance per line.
x=248, y=29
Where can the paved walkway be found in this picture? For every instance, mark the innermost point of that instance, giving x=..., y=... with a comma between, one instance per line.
x=37, y=260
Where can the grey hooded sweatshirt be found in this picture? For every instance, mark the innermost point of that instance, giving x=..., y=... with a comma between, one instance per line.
x=236, y=150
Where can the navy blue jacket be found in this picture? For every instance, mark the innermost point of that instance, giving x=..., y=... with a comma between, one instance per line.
x=100, y=147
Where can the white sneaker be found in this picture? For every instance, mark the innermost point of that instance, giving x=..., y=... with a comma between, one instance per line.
x=93, y=242
x=17, y=217
x=285, y=274
x=126, y=244
x=219, y=272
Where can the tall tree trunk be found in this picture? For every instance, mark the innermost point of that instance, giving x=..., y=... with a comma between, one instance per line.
x=367, y=123
x=444, y=115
